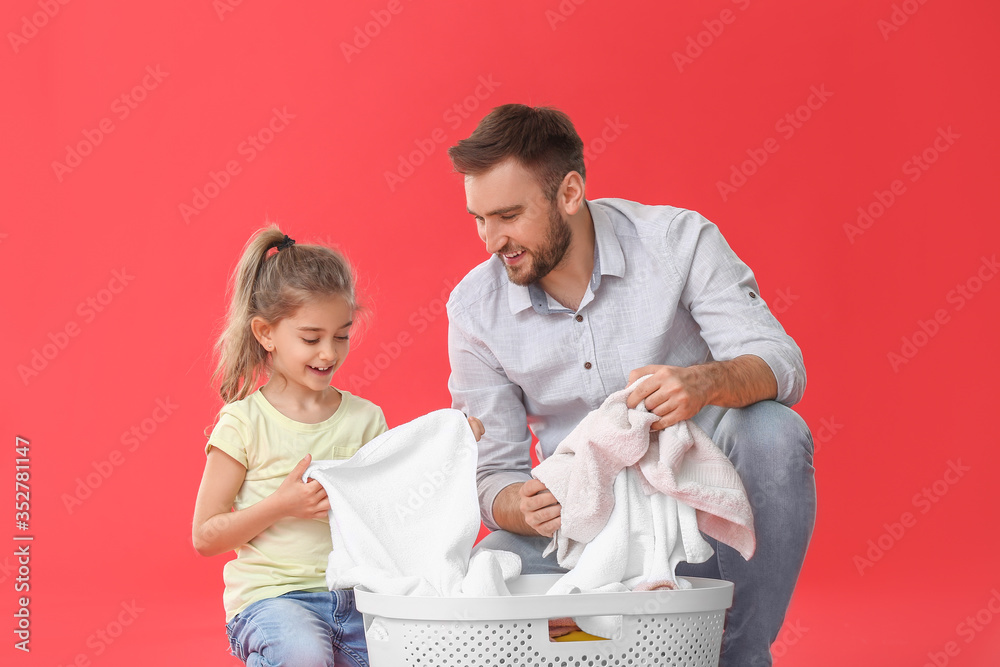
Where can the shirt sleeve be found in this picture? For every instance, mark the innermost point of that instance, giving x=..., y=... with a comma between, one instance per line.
x=721, y=294
x=480, y=388
x=230, y=435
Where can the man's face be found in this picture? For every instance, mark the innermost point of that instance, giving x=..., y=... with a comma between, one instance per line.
x=517, y=222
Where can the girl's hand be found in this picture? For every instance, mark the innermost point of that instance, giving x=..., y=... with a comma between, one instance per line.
x=477, y=428
x=304, y=500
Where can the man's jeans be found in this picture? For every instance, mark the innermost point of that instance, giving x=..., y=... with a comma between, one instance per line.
x=772, y=449
x=300, y=629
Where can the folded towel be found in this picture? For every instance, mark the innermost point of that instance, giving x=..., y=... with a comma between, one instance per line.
x=404, y=514
x=633, y=500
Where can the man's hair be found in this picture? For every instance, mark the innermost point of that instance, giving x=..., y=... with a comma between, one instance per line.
x=541, y=139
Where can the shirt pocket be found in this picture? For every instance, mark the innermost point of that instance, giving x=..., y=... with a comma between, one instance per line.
x=642, y=352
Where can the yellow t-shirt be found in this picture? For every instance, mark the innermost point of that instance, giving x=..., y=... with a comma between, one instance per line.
x=292, y=554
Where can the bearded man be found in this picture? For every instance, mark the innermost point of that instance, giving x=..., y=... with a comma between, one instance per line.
x=581, y=298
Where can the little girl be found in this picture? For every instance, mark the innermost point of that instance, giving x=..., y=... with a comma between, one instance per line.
x=290, y=320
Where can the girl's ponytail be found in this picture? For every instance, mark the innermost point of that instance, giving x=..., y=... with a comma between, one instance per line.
x=241, y=359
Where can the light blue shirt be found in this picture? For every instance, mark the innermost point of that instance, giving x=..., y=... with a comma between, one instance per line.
x=666, y=289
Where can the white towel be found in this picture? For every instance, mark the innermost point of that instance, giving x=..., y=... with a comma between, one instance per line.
x=638, y=548
x=634, y=500
x=404, y=514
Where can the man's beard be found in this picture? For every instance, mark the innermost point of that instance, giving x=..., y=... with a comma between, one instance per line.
x=545, y=258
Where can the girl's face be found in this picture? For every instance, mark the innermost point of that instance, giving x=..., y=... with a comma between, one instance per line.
x=309, y=346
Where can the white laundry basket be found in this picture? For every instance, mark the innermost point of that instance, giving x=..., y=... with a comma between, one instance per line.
x=682, y=627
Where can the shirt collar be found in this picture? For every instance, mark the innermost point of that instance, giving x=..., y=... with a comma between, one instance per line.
x=610, y=249
x=608, y=260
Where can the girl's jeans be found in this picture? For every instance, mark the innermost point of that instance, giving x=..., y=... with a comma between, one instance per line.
x=300, y=629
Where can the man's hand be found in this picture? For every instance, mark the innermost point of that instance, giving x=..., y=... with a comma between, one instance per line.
x=540, y=509
x=674, y=393
x=527, y=508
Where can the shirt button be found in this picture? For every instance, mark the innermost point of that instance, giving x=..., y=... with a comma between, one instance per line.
x=752, y=295
x=579, y=318
x=587, y=365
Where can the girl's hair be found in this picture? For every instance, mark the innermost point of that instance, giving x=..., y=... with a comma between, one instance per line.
x=272, y=285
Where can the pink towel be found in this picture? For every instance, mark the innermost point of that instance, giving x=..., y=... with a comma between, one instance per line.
x=687, y=465
x=680, y=461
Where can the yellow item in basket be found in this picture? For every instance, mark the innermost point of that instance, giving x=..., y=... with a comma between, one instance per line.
x=579, y=636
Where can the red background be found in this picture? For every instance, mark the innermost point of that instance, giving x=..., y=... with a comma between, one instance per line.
x=884, y=434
